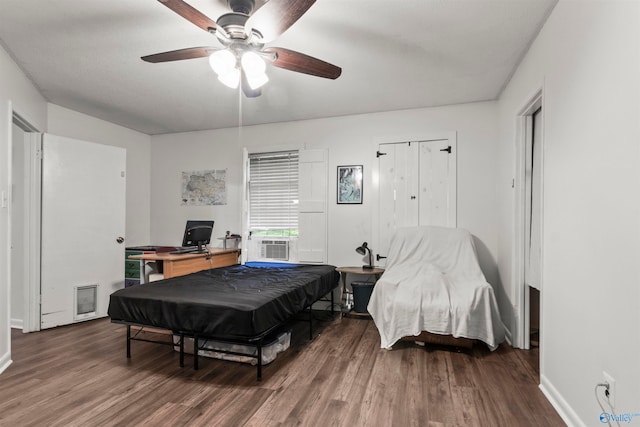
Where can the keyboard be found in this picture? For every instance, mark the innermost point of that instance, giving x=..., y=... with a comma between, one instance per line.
x=186, y=250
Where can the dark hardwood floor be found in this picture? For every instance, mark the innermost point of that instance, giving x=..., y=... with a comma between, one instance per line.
x=79, y=375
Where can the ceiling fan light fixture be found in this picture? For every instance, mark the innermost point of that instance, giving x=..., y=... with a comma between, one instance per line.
x=252, y=63
x=230, y=79
x=222, y=62
x=254, y=68
x=257, y=81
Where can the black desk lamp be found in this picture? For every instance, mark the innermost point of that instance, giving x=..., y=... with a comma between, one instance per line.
x=362, y=250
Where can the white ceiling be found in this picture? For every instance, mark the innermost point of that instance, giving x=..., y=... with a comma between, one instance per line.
x=394, y=54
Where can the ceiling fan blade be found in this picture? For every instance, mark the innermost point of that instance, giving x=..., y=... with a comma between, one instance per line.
x=276, y=16
x=301, y=63
x=180, y=54
x=246, y=89
x=190, y=14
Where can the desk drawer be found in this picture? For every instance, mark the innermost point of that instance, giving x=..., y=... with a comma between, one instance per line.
x=131, y=269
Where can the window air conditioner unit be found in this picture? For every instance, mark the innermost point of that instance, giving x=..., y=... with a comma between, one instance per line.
x=275, y=249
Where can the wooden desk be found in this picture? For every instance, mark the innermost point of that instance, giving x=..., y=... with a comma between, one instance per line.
x=180, y=264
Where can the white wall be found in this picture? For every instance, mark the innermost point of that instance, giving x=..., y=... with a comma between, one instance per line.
x=173, y=154
x=19, y=94
x=588, y=58
x=350, y=140
x=69, y=123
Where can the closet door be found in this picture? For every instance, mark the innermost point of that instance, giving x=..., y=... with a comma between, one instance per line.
x=417, y=187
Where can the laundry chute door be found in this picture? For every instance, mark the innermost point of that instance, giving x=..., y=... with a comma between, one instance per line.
x=83, y=225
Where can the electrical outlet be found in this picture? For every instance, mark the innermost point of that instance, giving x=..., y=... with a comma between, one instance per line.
x=612, y=387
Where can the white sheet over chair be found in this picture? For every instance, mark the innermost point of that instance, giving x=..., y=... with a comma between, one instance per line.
x=433, y=283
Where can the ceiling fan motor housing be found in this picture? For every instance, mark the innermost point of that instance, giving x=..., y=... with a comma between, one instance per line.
x=242, y=6
x=233, y=25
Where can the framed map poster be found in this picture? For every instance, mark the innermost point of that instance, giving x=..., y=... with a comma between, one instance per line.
x=201, y=188
x=349, y=184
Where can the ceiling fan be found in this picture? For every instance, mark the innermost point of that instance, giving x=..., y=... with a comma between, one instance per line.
x=243, y=33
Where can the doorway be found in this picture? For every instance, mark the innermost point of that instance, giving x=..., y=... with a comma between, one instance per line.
x=24, y=311
x=533, y=225
x=67, y=220
x=529, y=228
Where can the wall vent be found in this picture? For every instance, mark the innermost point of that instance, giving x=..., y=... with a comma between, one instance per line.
x=86, y=302
x=275, y=249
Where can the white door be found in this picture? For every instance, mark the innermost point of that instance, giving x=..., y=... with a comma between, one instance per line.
x=417, y=187
x=83, y=224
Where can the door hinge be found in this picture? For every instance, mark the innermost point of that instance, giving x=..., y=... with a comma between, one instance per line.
x=378, y=154
x=448, y=149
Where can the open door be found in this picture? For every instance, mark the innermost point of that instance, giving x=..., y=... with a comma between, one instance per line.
x=528, y=224
x=83, y=225
x=533, y=229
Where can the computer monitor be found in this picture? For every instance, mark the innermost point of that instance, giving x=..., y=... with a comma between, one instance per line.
x=197, y=233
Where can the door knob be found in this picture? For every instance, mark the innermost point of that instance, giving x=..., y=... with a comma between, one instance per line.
x=120, y=240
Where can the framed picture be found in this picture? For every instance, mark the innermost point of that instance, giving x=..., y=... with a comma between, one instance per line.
x=349, y=185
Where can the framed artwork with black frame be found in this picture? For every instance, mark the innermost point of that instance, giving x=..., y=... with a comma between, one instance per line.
x=349, y=191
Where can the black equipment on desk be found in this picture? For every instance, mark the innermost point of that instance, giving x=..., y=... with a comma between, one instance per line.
x=197, y=233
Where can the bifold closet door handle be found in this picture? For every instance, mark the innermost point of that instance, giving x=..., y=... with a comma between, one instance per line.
x=120, y=240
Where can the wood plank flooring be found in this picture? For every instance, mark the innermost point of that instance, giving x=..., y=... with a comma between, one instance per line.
x=79, y=375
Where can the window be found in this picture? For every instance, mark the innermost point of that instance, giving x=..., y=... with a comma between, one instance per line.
x=273, y=194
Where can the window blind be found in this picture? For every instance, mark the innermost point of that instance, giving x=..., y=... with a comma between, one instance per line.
x=273, y=193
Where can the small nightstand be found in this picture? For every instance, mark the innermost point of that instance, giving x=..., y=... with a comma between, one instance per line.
x=347, y=305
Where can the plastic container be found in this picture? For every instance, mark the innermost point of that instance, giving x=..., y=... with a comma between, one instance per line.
x=211, y=348
x=361, y=295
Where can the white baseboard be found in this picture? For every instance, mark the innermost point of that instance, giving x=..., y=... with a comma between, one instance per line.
x=17, y=324
x=561, y=406
x=5, y=361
